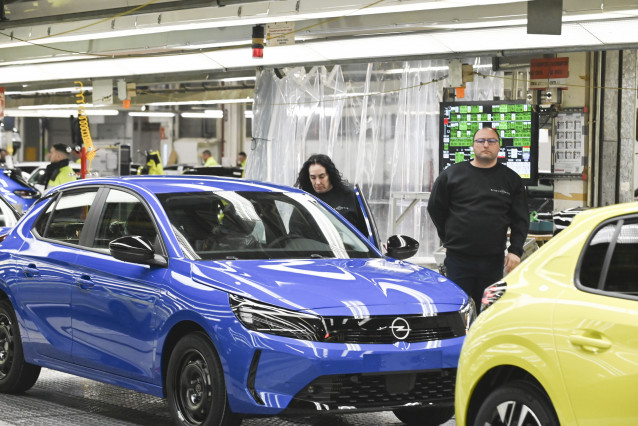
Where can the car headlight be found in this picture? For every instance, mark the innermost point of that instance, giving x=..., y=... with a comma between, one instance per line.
x=271, y=319
x=492, y=293
x=468, y=313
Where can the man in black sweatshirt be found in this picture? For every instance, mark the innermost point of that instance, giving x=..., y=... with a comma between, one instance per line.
x=472, y=205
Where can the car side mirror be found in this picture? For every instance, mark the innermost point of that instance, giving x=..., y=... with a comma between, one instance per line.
x=401, y=247
x=135, y=249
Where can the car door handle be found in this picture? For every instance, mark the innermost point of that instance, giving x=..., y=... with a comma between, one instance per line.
x=84, y=282
x=590, y=344
x=30, y=271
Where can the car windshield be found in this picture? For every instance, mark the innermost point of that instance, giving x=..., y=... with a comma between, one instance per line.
x=259, y=225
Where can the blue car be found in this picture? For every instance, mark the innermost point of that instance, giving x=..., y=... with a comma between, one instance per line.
x=15, y=189
x=230, y=298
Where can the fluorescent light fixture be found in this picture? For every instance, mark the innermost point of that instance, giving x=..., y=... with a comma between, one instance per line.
x=208, y=17
x=74, y=89
x=212, y=113
x=71, y=57
x=152, y=114
x=55, y=106
x=584, y=35
x=53, y=113
x=217, y=113
x=232, y=79
x=513, y=38
x=206, y=102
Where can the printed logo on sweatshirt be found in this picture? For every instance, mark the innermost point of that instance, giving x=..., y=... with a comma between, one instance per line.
x=339, y=208
x=500, y=191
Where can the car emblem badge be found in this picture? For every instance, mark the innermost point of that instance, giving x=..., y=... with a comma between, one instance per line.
x=400, y=328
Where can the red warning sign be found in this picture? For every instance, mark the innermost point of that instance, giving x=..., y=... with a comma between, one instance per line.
x=549, y=68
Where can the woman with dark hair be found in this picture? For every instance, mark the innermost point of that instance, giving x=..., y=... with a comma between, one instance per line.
x=319, y=176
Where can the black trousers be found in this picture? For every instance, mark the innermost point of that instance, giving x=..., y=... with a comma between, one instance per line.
x=474, y=273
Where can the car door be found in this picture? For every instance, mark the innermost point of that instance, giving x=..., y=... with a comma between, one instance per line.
x=45, y=270
x=114, y=302
x=373, y=232
x=596, y=327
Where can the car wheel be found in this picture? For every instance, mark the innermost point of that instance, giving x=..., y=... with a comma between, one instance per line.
x=195, y=384
x=424, y=416
x=15, y=375
x=518, y=403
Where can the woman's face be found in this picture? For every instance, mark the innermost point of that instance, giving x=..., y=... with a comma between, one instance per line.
x=319, y=178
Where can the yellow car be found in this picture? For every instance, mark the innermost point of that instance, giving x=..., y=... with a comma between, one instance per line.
x=557, y=341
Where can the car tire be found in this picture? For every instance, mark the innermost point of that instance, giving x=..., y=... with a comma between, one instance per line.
x=517, y=403
x=195, y=384
x=424, y=416
x=16, y=375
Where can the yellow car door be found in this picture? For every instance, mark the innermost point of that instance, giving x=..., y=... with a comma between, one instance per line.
x=596, y=327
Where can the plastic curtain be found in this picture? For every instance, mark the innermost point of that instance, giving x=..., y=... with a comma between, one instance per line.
x=379, y=122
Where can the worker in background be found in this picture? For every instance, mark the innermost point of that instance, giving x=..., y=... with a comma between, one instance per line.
x=3, y=14
x=58, y=171
x=208, y=158
x=319, y=176
x=241, y=160
x=472, y=204
x=154, y=163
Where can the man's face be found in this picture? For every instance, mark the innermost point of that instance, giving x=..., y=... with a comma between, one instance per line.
x=55, y=155
x=487, y=148
x=319, y=178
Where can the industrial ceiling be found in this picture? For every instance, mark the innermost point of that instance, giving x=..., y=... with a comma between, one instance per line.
x=196, y=49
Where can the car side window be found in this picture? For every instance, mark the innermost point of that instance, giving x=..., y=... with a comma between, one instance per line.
x=123, y=214
x=609, y=262
x=64, y=220
x=7, y=216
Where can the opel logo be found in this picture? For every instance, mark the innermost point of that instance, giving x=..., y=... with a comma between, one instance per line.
x=400, y=328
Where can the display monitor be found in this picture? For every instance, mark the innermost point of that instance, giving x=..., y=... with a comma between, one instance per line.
x=515, y=121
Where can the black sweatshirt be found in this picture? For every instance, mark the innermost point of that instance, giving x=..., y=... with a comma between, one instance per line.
x=345, y=201
x=473, y=207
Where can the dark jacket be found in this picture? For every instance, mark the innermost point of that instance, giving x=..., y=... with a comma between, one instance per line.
x=472, y=209
x=344, y=200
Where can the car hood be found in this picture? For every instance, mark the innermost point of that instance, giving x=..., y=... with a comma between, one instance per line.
x=336, y=287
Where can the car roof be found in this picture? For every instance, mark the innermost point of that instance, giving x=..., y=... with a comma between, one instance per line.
x=161, y=184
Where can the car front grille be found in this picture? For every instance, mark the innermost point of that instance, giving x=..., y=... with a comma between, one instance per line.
x=375, y=391
x=392, y=329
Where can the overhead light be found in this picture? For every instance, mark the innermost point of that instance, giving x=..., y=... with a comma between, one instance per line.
x=56, y=113
x=206, y=18
x=211, y=113
x=71, y=57
x=233, y=79
x=54, y=106
x=585, y=35
x=152, y=114
x=207, y=102
x=50, y=91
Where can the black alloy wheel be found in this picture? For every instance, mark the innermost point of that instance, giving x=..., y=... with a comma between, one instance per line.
x=518, y=403
x=16, y=375
x=195, y=384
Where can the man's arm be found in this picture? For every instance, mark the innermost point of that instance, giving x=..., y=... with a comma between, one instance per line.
x=519, y=221
x=438, y=205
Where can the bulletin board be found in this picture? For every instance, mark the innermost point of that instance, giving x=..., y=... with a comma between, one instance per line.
x=569, y=142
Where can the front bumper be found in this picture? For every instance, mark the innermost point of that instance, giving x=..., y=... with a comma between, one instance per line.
x=276, y=375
